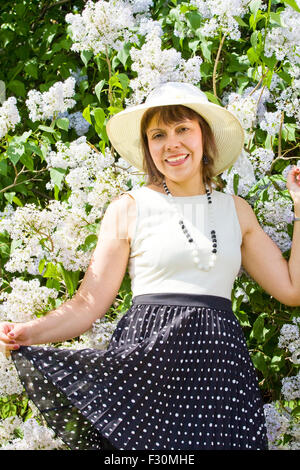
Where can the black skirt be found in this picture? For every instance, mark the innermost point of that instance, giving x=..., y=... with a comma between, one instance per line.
x=177, y=375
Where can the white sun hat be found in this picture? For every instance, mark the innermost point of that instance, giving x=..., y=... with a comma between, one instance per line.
x=123, y=129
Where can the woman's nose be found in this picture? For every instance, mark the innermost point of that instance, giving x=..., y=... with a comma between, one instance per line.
x=172, y=142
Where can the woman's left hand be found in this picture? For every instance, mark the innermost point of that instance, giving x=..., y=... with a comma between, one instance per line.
x=293, y=185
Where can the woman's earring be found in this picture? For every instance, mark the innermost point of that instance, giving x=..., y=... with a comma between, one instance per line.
x=205, y=160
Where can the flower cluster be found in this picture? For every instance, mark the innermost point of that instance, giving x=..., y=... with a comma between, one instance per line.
x=9, y=378
x=261, y=160
x=9, y=116
x=271, y=122
x=57, y=99
x=244, y=108
x=77, y=122
x=279, y=420
x=26, y=299
x=154, y=66
x=274, y=215
x=284, y=40
x=277, y=424
x=244, y=170
x=220, y=16
x=57, y=232
x=102, y=25
x=34, y=435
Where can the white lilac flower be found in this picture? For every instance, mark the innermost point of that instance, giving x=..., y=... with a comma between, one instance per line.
x=102, y=24
x=155, y=66
x=261, y=160
x=8, y=426
x=244, y=169
x=57, y=99
x=140, y=6
x=56, y=232
x=276, y=210
x=35, y=437
x=9, y=378
x=26, y=299
x=277, y=423
x=220, y=16
x=244, y=108
x=291, y=387
x=9, y=116
x=284, y=41
x=288, y=334
x=271, y=122
x=262, y=96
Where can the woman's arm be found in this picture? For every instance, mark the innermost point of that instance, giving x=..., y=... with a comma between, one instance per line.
x=98, y=289
x=262, y=258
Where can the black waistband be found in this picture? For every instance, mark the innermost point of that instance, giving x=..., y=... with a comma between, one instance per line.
x=194, y=300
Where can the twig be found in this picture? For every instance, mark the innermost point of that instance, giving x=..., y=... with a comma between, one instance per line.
x=110, y=95
x=280, y=133
x=216, y=65
x=282, y=157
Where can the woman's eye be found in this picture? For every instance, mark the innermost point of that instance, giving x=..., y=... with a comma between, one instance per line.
x=183, y=129
x=156, y=136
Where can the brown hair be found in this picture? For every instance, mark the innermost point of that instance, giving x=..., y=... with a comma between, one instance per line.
x=171, y=114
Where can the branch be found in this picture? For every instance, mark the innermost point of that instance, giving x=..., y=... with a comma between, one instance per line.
x=280, y=133
x=216, y=65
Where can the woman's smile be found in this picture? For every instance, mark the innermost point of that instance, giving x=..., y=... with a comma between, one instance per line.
x=177, y=160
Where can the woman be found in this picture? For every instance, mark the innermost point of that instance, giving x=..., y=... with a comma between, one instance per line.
x=177, y=374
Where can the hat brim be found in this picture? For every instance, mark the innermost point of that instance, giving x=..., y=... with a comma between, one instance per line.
x=123, y=130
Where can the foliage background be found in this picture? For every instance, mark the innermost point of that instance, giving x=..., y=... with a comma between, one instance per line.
x=53, y=194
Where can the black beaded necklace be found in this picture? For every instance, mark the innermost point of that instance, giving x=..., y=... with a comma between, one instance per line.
x=195, y=249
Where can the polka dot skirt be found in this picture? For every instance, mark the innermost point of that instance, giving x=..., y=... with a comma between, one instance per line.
x=177, y=375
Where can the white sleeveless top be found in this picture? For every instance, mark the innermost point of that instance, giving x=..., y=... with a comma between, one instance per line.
x=161, y=260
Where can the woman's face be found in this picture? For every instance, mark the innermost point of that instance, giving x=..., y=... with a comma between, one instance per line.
x=176, y=148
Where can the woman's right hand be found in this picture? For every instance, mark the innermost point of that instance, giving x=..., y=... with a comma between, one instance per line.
x=12, y=336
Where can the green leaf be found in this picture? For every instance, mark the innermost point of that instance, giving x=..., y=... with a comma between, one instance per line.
x=288, y=132
x=239, y=20
x=57, y=176
x=63, y=123
x=49, y=129
x=194, y=19
x=9, y=197
x=17, y=201
x=70, y=278
x=31, y=68
x=258, y=328
x=98, y=88
x=252, y=56
x=206, y=48
x=124, y=80
x=3, y=168
x=17, y=88
x=99, y=116
x=260, y=362
x=89, y=243
x=87, y=114
x=30, y=147
x=52, y=271
x=15, y=152
x=27, y=161
x=124, y=53
x=86, y=57
x=236, y=178
x=212, y=97
x=293, y=4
